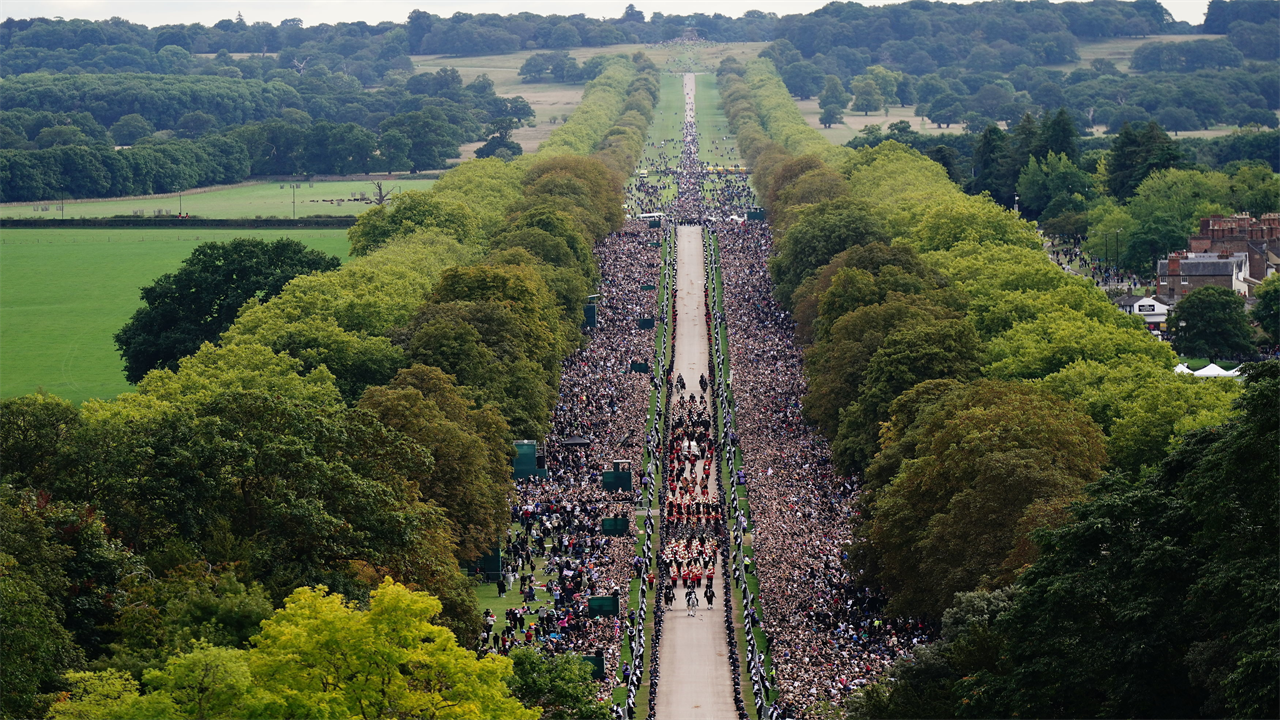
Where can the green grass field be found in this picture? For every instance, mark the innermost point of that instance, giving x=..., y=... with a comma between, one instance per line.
x=65, y=293
x=713, y=127
x=240, y=201
x=668, y=119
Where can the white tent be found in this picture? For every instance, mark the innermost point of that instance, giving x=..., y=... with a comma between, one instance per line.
x=1212, y=370
x=1182, y=369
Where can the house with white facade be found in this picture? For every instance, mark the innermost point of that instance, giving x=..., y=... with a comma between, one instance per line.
x=1154, y=312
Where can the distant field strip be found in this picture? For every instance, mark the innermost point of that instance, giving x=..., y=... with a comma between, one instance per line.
x=240, y=201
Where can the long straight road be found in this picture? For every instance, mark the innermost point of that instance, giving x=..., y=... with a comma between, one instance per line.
x=696, y=679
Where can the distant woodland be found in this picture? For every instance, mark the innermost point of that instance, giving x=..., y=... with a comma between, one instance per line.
x=113, y=108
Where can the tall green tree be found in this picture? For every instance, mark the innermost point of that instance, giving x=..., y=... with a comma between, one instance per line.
x=196, y=304
x=910, y=355
x=33, y=585
x=803, y=79
x=1267, y=312
x=200, y=475
x=194, y=602
x=471, y=473
x=833, y=94
x=867, y=97
x=410, y=212
x=1058, y=135
x=1160, y=599
x=1141, y=406
x=831, y=115
x=990, y=463
x=560, y=685
x=988, y=158
x=819, y=233
x=1022, y=139
x=1135, y=154
x=1210, y=322
x=1053, y=186
x=433, y=138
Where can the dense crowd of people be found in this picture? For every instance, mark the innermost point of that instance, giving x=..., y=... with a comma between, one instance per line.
x=557, y=554
x=825, y=632
x=1071, y=257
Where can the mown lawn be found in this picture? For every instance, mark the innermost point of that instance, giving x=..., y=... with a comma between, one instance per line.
x=65, y=293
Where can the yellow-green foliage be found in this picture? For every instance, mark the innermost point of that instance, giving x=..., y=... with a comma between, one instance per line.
x=369, y=295
x=213, y=370
x=1038, y=318
x=320, y=656
x=623, y=144
x=1009, y=285
x=339, y=321
x=1052, y=341
x=410, y=212
x=780, y=117
x=1141, y=405
x=965, y=218
x=983, y=269
x=486, y=186
x=602, y=104
x=739, y=109
x=900, y=182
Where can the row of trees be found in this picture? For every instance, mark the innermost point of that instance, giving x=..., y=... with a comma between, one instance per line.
x=942, y=35
x=988, y=400
x=419, y=140
x=848, y=36
x=1186, y=56
x=71, y=154
x=191, y=106
x=1153, y=597
x=348, y=428
x=1135, y=197
x=78, y=171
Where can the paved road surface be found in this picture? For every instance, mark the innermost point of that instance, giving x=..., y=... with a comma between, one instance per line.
x=696, y=680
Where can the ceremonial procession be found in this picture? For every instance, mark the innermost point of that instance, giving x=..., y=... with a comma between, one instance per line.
x=462, y=364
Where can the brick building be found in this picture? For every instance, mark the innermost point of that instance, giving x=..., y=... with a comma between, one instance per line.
x=1183, y=271
x=1259, y=239
x=1236, y=252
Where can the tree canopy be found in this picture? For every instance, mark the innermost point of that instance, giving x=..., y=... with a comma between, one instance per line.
x=319, y=656
x=1210, y=322
x=980, y=468
x=197, y=303
x=1156, y=597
